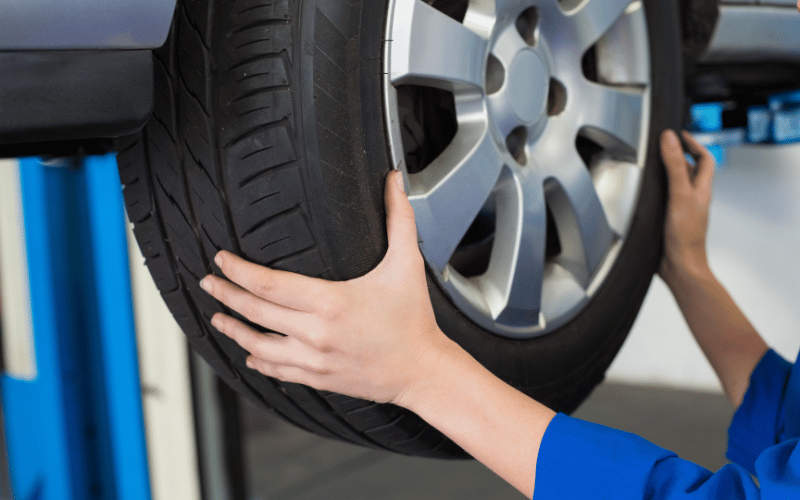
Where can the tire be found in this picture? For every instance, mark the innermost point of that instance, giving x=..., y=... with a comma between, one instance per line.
x=268, y=139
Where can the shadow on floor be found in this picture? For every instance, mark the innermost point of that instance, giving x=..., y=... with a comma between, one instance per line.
x=288, y=463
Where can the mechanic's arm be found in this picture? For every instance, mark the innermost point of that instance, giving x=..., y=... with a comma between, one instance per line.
x=376, y=338
x=727, y=338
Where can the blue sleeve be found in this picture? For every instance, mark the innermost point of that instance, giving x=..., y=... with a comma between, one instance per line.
x=582, y=461
x=758, y=423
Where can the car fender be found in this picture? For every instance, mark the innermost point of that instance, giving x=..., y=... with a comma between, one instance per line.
x=84, y=24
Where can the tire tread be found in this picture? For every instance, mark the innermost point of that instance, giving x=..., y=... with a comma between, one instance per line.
x=218, y=167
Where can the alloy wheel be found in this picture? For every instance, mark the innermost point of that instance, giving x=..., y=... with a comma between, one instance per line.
x=522, y=213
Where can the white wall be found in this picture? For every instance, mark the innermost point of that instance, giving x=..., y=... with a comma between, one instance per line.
x=754, y=248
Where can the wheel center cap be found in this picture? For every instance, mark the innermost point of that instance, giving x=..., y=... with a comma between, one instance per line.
x=528, y=94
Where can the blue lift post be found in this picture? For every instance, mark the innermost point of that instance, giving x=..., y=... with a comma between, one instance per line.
x=76, y=431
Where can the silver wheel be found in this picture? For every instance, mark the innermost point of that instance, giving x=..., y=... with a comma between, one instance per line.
x=552, y=156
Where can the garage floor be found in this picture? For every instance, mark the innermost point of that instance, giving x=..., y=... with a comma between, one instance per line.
x=288, y=463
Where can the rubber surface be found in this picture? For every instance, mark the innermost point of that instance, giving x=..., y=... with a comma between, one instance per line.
x=268, y=140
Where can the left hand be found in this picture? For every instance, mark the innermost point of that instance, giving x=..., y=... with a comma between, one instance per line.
x=373, y=338
x=686, y=225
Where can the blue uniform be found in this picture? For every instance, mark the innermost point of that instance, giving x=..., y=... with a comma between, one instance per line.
x=583, y=461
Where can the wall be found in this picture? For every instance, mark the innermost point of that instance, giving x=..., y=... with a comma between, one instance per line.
x=754, y=248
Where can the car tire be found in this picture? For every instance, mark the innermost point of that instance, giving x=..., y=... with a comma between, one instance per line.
x=269, y=139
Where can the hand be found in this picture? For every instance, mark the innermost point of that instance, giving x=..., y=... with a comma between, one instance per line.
x=376, y=338
x=373, y=338
x=687, y=208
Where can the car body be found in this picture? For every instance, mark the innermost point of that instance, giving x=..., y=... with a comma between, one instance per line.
x=81, y=69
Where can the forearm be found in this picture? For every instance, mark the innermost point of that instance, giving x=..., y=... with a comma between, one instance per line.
x=729, y=341
x=498, y=425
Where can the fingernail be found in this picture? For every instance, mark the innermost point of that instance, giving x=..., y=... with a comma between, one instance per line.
x=401, y=185
x=218, y=259
x=672, y=139
x=249, y=363
x=215, y=322
x=205, y=284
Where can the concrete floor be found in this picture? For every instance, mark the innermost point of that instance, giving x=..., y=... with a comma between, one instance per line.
x=288, y=463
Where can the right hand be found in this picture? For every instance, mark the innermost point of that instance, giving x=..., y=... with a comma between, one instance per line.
x=687, y=208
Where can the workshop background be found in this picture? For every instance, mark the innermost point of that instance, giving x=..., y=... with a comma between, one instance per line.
x=191, y=434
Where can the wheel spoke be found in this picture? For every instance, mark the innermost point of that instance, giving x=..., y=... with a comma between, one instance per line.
x=450, y=192
x=561, y=292
x=483, y=16
x=617, y=184
x=591, y=19
x=432, y=49
x=583, y=228
x=513, y=283
x=612, y=116
x=618, y=59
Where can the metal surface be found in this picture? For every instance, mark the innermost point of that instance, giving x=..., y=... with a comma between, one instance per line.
x=112, y=300
x=752, y=33
x=84, y=24
x=523, y=294
x=48, y=457
x=74, y=431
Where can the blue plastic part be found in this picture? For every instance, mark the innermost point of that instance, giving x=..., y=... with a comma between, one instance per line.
x=786, y=125
x=759, y=124
x=778, y=122
x=76, y=431
x=708, y=118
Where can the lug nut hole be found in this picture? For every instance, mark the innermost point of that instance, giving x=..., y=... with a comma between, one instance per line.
x=556, y=98
x=528, y=24
x=516, y=142
x=495, y=75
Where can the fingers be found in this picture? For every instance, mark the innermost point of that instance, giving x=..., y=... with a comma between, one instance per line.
x=677, y=166
x=286, y=373
x=400, y=222
x=272, y=316
x=674, y=161
x=707, y=164
x=279, y=287
x=259, y=344
x=270, y=350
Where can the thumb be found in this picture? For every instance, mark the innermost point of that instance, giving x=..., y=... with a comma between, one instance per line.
x=400, y=222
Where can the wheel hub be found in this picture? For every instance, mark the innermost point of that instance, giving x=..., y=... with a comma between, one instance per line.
x=526, y=91
x=551, y=154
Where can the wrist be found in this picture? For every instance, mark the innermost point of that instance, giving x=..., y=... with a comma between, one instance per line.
x=687, y=270
x=434, y=374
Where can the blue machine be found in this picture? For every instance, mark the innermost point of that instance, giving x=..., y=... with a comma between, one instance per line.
x=76, y=431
